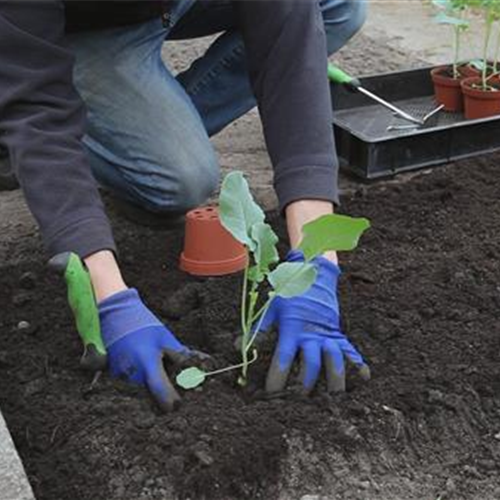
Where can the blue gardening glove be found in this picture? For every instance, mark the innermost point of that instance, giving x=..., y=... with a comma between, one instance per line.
x=310, y=323
x=136, y=342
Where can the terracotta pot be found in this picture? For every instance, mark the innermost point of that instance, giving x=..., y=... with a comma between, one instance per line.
x=447, y=89
x=210, y=250
x=480, y=103
x=468, y=71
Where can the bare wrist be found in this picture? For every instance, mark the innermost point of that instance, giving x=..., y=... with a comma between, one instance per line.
x=105, y=274
x=301, y=212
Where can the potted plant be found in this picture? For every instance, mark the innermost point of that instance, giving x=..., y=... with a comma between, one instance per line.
x=447, y=79
x=496, y=62
x=482, y=92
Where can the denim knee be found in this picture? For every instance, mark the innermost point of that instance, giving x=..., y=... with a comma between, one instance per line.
x=183, y=188
x=342, y=19
x=197, y=185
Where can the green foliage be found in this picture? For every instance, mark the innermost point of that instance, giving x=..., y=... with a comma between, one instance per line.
x=290, y=279
x=452, y=13
x=190, y=378
x=245, y=220
x=237, y=209
x=491, y=9
x=265, y=253
x=456, y=22
x=491, y=12
x=332, y=232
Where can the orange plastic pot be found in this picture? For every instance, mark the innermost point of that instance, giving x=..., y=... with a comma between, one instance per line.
x=468, y=71
x=480, y=103
x=209, y=249
x=447, y=89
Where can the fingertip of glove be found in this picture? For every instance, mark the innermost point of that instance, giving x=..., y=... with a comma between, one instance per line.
x=364, y=372
x=172, y=403
x=190, y=357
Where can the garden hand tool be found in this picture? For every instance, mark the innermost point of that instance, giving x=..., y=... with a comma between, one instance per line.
x=336, y=75
x=311, y=323
x=83, y=304
x=136, y=341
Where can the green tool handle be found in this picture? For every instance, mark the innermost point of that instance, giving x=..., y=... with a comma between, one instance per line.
x=83, y=304
x=336, y=75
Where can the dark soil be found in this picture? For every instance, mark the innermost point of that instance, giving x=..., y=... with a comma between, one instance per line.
x=420, y=298
x=493, y=85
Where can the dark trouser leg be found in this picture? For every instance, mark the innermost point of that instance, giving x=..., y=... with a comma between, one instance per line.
x=218, y=82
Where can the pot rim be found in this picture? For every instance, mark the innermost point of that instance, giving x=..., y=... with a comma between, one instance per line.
x=443, y=80
x=213, y=268
x=479, y=93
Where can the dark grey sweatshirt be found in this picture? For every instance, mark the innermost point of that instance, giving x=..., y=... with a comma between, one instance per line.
x=42, y=118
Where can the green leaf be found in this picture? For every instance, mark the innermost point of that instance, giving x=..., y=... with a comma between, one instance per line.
x=190, y=378
x=237, y=209
x=477, y=64
x=452, y=6
x=442, y=4
x=290, y=279
x=255, y=275
x=265, y=240
x=443, y=18
x=332, y=232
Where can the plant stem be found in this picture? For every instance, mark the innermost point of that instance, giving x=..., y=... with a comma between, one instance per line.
x=261, y=314
x=489, y=26
x=244, y=298
x=456, y=74
x=497, y=52
x=233, y=367
x=247, y=327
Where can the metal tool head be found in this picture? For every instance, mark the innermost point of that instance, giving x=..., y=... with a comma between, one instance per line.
x=434, y=112
x=398, y=111
x=415, y=122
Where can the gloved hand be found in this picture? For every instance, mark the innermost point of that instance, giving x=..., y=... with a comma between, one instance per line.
x=311, y=323
x=136, y=342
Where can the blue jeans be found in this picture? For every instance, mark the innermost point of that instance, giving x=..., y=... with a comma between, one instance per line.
x=148, y=130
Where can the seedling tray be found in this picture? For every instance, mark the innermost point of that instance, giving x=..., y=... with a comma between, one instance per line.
x=367, y=149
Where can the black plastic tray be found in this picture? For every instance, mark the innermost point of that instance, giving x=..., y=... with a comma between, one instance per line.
x=369, y=151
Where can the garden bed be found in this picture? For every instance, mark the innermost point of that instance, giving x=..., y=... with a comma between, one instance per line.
x=420, y=298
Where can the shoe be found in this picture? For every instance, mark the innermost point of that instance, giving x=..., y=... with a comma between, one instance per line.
x=8, y=180
x=143, y=217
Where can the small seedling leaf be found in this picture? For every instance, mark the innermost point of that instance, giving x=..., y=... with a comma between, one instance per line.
x=442, y=4
x=332, y=232
x=477, y=64
x=265, y=251
x=443, y=18
x=290, y=279
x=255, y=275
x=237, y=209
x=190, y=378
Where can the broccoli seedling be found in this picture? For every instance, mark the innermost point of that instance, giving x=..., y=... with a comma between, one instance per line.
x=490, y=10
x=245, y=220
x=452, y=13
